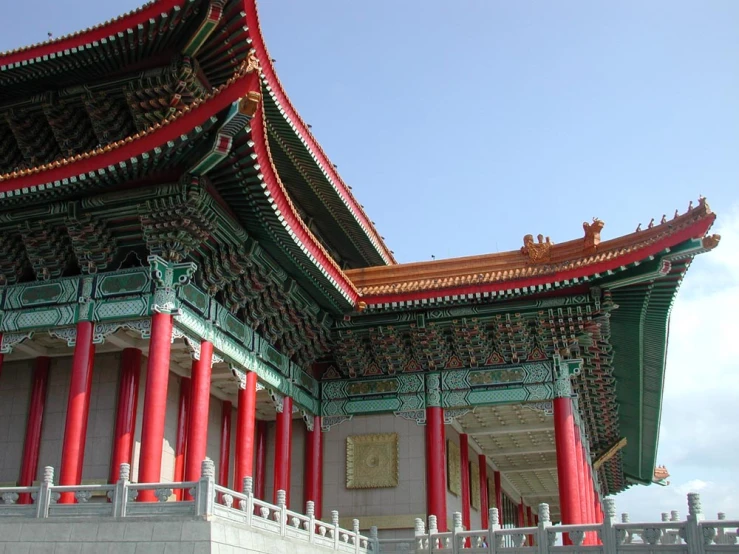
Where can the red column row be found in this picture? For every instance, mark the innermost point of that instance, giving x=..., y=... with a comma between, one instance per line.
x=436, y=466
x=78, y=408
x=283, y=449
x=464, y=463
x=313, y=477
x=498, y=496
x=32, y=443
x=193, y=407
x=484, y=493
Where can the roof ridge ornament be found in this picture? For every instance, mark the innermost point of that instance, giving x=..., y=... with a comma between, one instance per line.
x=592, y=235
x=537, y=252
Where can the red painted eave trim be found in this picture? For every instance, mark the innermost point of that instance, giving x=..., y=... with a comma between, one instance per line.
x=695, y=230
x=287, y=210
x=255, y=33
x=180, y=126
x=88, y=36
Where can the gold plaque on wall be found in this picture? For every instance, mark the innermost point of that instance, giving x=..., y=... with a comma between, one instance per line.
x=453, y=474
x=372, y=461
x=475, y=486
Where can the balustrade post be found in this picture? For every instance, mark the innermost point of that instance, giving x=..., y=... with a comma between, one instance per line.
x=335, y=523
x=206, y=492
x=457, y=527
x=720, y=532
x=542, y=533
x=310, y=511
x=355, y=530
x=282, y=505
x=693, y=531
x=44, y=493
x=493, y=526
x=433, y=530
x=374, y=539
x=627, y=536
x=608, y=533
x=120, y=493
x=419, y=531
x=248, y=504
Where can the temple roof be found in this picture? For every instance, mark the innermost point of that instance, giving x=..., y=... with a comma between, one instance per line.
x=534, y=267
x=44, y=131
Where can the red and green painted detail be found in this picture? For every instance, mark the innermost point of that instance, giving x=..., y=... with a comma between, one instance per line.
x=586, y=274
x=219, y=48
x=127, y=41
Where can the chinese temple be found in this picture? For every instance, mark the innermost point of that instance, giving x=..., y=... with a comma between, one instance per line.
x=184, y=274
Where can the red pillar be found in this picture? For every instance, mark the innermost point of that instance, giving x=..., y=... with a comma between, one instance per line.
x=498, y=496
x=582, y=489
x=197, y=434
x=464, y=462
x=88, y=396
x=283, y=450
x=183, y=415
x=484, y=493
x=589, y=495
x=313, y=477
x=245, y=418
x=224, y=458
x=32, y=444
x=530, y=523
x=155, y=403
x=78, y=407
x=125, y=419
x=260, y=470
x=521, y=514
x=567, y=467
x=436, y=466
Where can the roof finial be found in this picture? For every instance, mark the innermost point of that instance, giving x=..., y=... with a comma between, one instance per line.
x=638, y=228
x=663, y=220
x=677, y=213
x=651, y=223
x=690, y=206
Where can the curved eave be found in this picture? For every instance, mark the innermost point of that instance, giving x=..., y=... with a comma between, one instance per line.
x=310, y=188
x=81, y=40
x=423, y=277
x=291, y=116
x=120, y=152
x=639, y=335
x=69, y=172
x=286, y=216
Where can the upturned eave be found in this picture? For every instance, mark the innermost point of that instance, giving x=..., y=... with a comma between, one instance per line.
x=567, y=264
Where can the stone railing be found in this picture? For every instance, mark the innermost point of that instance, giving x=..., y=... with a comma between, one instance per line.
x=692, y=536
x=210, y=501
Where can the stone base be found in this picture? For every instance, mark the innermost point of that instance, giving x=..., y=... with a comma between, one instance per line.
x=142, y=536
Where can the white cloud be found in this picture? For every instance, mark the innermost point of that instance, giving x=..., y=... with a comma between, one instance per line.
x=700, y=409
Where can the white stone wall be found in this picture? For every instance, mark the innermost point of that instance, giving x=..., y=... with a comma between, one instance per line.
x=15, y=386
x=141, y=536
x=408, y=498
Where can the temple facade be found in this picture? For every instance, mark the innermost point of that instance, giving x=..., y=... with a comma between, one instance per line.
x=184, y=275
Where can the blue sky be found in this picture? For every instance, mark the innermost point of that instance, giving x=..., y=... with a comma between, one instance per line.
x=462, y=126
